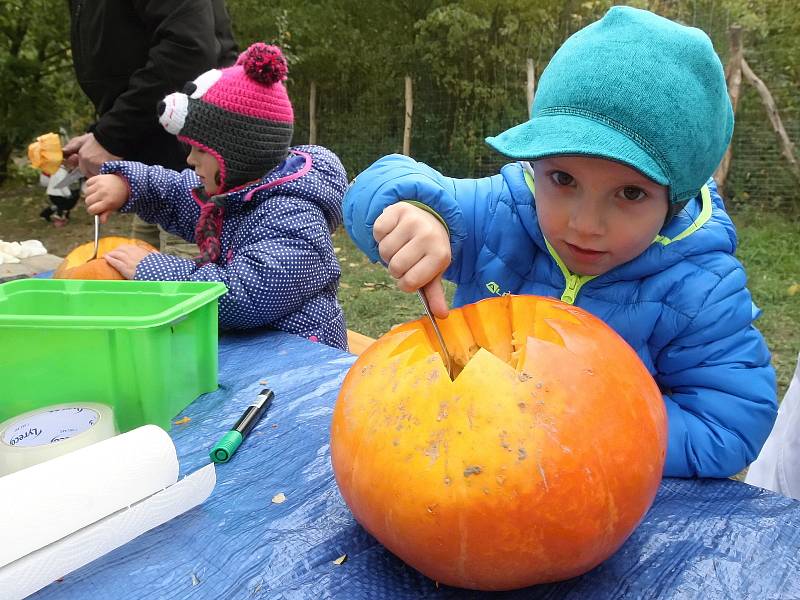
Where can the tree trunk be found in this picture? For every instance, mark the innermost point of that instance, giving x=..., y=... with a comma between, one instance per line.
x=5, y=158
x=787, y=148
x=733, y=73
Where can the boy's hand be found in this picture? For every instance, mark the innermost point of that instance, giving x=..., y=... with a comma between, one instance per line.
x=105, y=194
x=126, y=258
x=416, y=247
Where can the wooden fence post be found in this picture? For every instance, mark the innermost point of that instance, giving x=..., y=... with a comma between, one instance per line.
x=409, y=113
x=531, y=87
x=312, y=114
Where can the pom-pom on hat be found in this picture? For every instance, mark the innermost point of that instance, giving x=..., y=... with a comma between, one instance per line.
x=635, y=88
x=242, y=115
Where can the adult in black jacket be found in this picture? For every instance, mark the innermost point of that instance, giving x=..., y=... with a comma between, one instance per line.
x=129, y=54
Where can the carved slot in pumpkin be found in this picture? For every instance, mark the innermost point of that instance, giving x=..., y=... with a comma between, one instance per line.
x=502, y=326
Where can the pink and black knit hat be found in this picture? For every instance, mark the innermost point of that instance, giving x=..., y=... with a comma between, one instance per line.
x=242, y=115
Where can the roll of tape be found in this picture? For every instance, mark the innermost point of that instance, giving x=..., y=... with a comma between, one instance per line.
x=39, y=435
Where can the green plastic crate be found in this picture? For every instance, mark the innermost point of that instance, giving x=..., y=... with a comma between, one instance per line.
x=145, y=348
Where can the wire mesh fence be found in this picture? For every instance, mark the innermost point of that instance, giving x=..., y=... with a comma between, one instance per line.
x=449, y=126
x=759, y=174
x=449, y=135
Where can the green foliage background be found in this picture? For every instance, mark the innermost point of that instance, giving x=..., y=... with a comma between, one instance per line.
x=467, y=61
x=466, y=58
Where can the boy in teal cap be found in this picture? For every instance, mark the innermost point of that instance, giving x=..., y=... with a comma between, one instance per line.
x=611, y=207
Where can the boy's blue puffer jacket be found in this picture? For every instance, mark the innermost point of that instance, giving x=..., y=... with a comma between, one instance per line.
x=682, y=304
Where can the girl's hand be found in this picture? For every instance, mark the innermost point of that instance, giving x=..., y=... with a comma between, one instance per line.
x=416, y=247
x=105, y=194
x=126, y=258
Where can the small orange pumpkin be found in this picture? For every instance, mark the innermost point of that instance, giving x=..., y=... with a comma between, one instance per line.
x=76, y=265
x=45, y=153
x=534, y=465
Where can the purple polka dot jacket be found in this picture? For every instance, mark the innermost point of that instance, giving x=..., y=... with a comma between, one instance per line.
x=276, y=253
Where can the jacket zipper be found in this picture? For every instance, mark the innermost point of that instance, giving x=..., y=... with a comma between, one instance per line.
x=574, y=284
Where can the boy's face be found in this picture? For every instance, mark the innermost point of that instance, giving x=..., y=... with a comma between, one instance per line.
x=206, y=167
x=597, y=213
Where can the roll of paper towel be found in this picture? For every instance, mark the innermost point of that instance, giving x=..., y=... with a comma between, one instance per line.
x=39, y=435
x=41, y=568
x=55, y=498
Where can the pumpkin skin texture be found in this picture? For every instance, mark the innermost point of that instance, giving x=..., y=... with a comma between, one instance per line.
x=76, y=264
x=534, y=465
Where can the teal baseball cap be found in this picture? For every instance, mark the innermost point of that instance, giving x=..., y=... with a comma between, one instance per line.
x=635, y=88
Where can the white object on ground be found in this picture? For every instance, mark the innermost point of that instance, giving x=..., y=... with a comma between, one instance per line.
x=14, y=252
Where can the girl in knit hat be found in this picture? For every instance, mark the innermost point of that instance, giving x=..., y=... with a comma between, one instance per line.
x=610, y=207
x=260, y=212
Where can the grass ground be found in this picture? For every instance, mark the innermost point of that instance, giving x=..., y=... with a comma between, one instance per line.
x=20, y=206
x=769, y=248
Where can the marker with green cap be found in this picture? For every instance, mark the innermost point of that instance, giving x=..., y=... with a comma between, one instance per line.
x=223, y=450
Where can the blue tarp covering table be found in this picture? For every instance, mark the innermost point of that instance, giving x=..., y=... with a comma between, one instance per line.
x=701, y=539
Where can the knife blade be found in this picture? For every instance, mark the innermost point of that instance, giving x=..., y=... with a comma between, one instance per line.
x=68, y=179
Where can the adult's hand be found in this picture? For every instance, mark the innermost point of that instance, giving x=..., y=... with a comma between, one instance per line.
x=71, y=148
x=90, y=154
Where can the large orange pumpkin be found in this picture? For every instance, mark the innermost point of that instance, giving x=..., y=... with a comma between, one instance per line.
x=76, y=265
x=534, y=465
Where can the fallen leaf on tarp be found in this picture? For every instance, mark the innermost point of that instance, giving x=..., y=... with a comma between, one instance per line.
x=279, y=498
x=195, y=580
x=182, y=421
x=340, y=560
x=793, y=289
